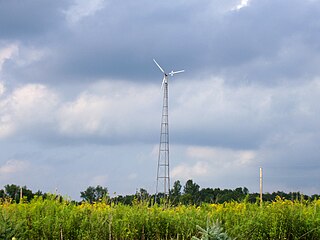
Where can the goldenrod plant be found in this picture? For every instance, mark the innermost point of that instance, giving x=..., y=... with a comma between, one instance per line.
x=57, y=218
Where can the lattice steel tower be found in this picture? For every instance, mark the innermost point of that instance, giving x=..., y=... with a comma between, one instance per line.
x=163, y=172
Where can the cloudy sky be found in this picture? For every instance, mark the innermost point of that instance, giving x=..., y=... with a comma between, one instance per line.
x=80, y=97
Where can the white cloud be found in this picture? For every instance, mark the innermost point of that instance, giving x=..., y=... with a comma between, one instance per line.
x=27, y=106
x=23, y=60
x=213, y=166
x=32, y=104
x=8, y=52
x=101, y=180
x=13, y=167
x=110, y=109
x=103, y=110
x=242, y=116
x=205, y=163
x=85, y=115
x=187, y=171
x=123, y=110
x=29, y=55
x=2, y=89
x=83, y=8
x=6, y=126
x=220, y=156
x=242, y=4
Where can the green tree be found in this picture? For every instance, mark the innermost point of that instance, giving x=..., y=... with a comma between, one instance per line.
x=2, y=194
x=13, y=191
x=27, y=193
x=207, y=195
x=191, y=193
x=175, y=192
x=191, y=188
x=94, y=194
x=142, y=194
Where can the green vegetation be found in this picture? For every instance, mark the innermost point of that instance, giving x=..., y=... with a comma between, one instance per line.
x=189, y=194
x=189, y=213
x=212, y=232
x=55, y=218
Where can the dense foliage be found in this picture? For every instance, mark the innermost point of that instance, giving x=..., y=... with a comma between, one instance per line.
x=186, y=214
x=55, y=218
x=190, y=193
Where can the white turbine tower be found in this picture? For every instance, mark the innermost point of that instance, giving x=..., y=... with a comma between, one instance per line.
x=163, y=177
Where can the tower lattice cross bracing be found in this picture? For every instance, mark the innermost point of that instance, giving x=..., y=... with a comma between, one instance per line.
x=163, y=176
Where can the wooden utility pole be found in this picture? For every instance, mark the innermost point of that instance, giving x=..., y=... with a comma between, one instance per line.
x=261, y=186
x=20, y=194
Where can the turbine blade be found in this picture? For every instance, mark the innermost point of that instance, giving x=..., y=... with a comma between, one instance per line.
x=158, y=65
x=177, y=72
x=172, y=72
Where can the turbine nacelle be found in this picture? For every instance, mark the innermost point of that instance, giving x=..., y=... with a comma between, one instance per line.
x=165, y=77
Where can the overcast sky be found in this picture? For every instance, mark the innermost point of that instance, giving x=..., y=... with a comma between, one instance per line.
x=80, y=97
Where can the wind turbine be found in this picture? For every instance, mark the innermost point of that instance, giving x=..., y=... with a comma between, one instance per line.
x=165, y=77
x=163, y=177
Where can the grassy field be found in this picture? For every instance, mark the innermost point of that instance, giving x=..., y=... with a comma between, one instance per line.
x=61, y=219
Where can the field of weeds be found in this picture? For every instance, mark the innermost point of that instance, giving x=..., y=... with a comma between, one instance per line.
x=61, y=219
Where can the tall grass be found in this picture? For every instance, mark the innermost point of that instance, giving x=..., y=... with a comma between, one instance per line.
x=60, y=219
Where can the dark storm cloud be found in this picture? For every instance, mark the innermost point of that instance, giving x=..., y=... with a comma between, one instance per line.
x=272, y=41
x=22, y=20
x=122, y=40
x=259, y=43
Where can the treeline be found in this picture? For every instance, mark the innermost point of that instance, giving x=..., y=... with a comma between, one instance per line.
x=189, y=194
x=192, y=194
x=14, y=192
